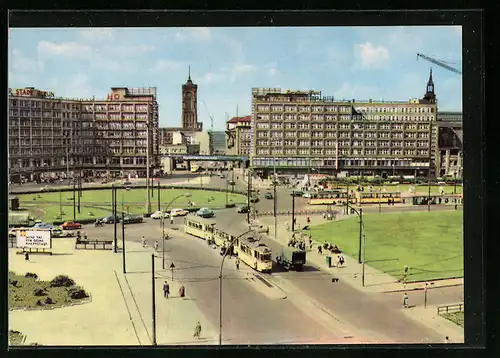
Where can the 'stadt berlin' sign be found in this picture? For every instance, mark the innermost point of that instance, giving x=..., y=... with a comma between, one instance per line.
x=34, y=239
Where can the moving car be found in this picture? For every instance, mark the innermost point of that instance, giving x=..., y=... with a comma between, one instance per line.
x=43, y=226
x=178, y=212
x=110, y=219
x=45, y=188
x=306, y=195
x=159, y=215
x=133, y=219
x=58, y=232
x=268, y=196
x=205, y=213
x=243, y=209
x=71, y=225
x=254, y=199
x=297, y=193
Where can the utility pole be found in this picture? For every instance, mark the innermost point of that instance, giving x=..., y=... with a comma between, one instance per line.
x=159, y=190
x=152, y=187
x=79, y=192
x=115, y=216
x=67, y=165
x=148, y=209
x=248, y=196
x=123, y=242
x=74, y=200
x=227, y=182
x=153, y=297
x=293, y=211
x=360, y=233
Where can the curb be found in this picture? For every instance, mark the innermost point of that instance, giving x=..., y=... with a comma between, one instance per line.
x=421, y=288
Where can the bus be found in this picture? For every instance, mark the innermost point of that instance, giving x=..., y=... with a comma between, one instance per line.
x=329, y=197
x=450, y=199
x=199, y=227
x=378, y=197
x=255, y=254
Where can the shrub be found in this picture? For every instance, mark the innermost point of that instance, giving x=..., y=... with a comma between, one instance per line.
x=49, y=301
x=31, y=275
x=62, y=281
x=39, y=292
x=77, y=293
x=14, y=282
x=39, y=303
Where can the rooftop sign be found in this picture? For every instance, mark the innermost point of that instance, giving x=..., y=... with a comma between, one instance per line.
x=30, y=92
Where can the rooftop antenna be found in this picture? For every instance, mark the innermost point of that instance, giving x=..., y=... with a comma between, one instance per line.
x=189, y=73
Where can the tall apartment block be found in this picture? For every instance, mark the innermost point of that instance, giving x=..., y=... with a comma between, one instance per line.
x=49, y=135
x=303, y=131
x=239, y=136
x=450, y=144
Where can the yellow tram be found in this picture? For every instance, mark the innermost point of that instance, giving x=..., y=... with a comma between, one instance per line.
x=255, y=254
x=449, y=199
x=329, y=197
x=199, y=227
x=378, y=197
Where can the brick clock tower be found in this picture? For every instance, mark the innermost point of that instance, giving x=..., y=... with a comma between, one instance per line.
x=190, y=106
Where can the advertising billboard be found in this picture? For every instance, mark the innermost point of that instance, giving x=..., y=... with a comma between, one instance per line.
x=34, y=239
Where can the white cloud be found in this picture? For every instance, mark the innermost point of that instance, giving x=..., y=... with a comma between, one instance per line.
x=193, y=33
x=240, y=70
x=71, y=49
x=166, y=66
x=128, y=50
x=77, y=86
x=372, y=57
x=97, y=34
x=21, y=64
x=210, y=78
x=360, y=92
x=272, y=71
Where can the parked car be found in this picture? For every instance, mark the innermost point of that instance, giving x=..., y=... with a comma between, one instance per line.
x=268, y=196
x=127, y=182
x=104, y=181
x=297, y=193
x=133, y=219
x=178, y=212
x=231, y=182
x=13, y=232
x=58, y=232
x=254, y=199
x=71, y=225
x=45, y=188
x=159, y=215
x=243, y=209
x=221, y=176
x=43, y=226
x=205, y=213
x=306, y=195
x=110, y=219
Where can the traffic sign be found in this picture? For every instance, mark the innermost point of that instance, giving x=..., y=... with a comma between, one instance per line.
x=172, y=265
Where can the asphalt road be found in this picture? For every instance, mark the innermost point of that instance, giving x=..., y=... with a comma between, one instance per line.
x=435, y=296
x=249, y=315
x=373, y=314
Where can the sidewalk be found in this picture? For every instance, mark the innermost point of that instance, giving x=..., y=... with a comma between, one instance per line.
x=351, y=272
x=120, y=312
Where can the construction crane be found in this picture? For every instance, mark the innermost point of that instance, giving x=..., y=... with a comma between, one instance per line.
x=439, y=63
x=211, y=118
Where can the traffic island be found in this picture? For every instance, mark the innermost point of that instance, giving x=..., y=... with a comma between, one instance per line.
x=29, y=293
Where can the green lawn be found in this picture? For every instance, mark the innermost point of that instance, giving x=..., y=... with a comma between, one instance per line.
x=431, y=244
x=46, y=206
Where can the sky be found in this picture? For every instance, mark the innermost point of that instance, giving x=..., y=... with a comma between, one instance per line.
x=361, y=63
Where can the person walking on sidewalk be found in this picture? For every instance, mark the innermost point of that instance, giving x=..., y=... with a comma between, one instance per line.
x=166, y=289
x=143, y=241
x=405, y=300
x=182, y=291
x=27, y=256
x=197, y=330
x=156, y=245
x=237, y=263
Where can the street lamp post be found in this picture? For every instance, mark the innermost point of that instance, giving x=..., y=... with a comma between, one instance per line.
x=293, y=212
x=159, y=195
x=153, y=297
x=360, y=214
x=220, y=280
x=123, y=242
x=455, y=184
x=148, y=209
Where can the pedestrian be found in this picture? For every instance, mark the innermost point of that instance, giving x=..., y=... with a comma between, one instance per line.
x=405, y=300
x=182, y=291
x=237, y=264
x=156, y=245
x=447, y=339
x=320, y=250
x=143, y=241
x=197, y=330
x=27, y=256
x=166, y=289
x=308, y=219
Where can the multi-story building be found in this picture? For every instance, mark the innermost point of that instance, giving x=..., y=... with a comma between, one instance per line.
x=239, y=135
x=167, y=134
x=450, y=144
x=300, y=131
x=190, y=106
x=53, y=136
x=217, y=142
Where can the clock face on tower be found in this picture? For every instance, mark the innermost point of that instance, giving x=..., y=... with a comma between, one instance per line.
x=188, y=95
